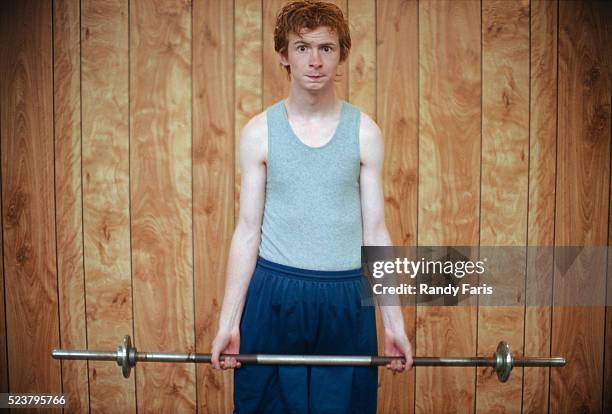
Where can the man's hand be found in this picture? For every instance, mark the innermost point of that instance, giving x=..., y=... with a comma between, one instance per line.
x=226, y=342
x=397, y=344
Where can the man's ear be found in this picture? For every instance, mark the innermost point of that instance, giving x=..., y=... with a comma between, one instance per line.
x=282, y=59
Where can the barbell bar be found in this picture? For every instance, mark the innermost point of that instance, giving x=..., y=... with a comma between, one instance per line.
x=126, y=357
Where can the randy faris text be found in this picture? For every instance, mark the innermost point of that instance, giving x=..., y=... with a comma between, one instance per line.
x=425, y=289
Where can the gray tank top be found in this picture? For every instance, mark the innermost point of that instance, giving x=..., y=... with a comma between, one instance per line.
x=312, y=212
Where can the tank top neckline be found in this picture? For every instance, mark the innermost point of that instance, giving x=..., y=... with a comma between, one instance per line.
x=329, y=141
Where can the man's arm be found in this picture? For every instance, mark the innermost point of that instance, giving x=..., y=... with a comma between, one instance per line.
x=375, y=231
x=245, y=241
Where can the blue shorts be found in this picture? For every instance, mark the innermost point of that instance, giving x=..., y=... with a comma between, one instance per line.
x=296, y=311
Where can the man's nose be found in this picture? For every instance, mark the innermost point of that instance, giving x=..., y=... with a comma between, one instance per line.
x=315, y=59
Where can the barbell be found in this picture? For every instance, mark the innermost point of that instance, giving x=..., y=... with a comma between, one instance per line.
x=126, y=357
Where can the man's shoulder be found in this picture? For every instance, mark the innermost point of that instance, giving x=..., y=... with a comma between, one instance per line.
x=369, y=131
x=254, y=137
x=256, y=125
x=256, y=129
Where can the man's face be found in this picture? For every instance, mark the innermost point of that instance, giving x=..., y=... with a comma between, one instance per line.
x=313, y=56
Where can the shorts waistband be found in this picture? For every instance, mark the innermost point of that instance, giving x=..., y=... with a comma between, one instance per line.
x=351, y=274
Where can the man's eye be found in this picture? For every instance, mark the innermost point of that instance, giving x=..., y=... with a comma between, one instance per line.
x=327, y=49
x=301, y=48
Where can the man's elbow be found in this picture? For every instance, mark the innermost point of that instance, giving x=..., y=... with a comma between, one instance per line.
x=248, y=232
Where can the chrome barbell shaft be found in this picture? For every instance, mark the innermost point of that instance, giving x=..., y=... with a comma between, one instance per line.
x=271, y=359
x=127, y=356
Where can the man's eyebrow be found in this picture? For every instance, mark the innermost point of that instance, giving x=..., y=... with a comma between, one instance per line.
x=298, y=42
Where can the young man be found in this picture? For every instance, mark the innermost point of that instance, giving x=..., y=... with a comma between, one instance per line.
x=311, y=195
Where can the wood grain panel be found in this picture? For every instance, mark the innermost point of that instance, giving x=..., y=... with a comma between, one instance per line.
x=275, y=81
x=542, y=167
x=397, y=107
x=69, y=219
x=26, y=119
x=105, y=175
x=607, y=369
x=4, y=374
x=504, y=186
x=582, y=201
x=362, y=59
x=161, y=198
x=449, y=186
x=213, y=183
x=248, y=75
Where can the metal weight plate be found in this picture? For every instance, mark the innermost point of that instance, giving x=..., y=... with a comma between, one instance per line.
x=123, y=355
x=503, y=361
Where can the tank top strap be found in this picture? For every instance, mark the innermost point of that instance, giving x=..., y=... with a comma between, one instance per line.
x=350, y=124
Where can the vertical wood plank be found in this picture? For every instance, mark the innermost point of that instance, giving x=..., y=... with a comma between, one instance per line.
x=69, y=219
x=607, y=369
x=398, y=112
x=161, y=197
x=362, y=59
x=213, y=183
x=4, y=374
x=449, y=186
x=26, y=119
x=504, y=186
x=582, y=202
x=248, y=70
x=542, y=170
x=105, y=175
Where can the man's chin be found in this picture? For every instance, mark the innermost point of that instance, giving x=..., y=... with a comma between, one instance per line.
x=315, y=86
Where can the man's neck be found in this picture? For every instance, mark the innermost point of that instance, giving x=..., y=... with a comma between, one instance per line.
x=308, y=105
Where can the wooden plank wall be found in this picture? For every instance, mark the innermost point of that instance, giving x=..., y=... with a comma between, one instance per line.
x=398, y=115
x=119, y=122
x=28, y=208
x=541, y=211
x=69, y=197
x=448, y=186
x=106, y=195
x=214, y=173
x=582, y=198
x=161, y=197
x=504, y=188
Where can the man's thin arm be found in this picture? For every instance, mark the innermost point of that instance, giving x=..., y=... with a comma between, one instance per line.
x=375, y=231
x=245, y=241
